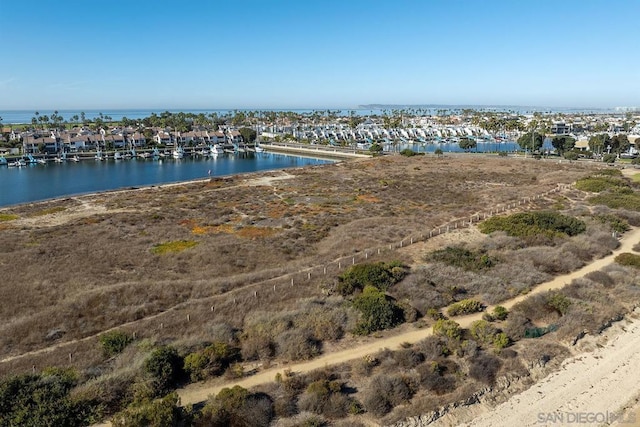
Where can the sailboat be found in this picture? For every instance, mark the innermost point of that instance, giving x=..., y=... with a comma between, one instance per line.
x=178, y=153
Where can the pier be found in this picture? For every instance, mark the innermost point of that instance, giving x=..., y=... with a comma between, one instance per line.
x=316, y=150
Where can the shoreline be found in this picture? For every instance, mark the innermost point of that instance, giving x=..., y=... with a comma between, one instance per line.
x=176, y=183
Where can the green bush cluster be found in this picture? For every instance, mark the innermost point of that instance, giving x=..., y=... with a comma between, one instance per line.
x=161, y=412
x=210, y=361
x=164, y=366
x=500, y=313
x=610, y=172
x=621, y=198
x=463, y=258
x=44, y=400
x=378, y=311
x=380, y=275
x=408, y=152
x=617, y=224
x=598, y=184
x=114, y=342
x=447, y=328
x=558, y=302
x=237, y=407
x=628, y=260
x=532, y=224
x=466, y=306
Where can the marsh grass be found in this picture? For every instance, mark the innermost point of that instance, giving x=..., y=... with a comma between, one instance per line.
x=8, y=217
x=173, y=247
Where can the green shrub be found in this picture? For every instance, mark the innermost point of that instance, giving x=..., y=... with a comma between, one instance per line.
x=609, y=158
x=463, y=258
x=435, y=314
x=378, y=311
x=164, y=365
x=407, y=152
x=114, y=342
x=326, y=398
x=501, y=340
x=628, y=260
x=558, y=302
x=623, y=198
x=598, y=184
x=500, y=313
x=610, y=172
x=532, y=224
x=211, y=361
x=466, y=306
x=380, y=275
x=447, y=328
x=483, y=331
x=571, y=155
x=163, y=412
x=237, y=407
x=617, y=224
x=43, y=400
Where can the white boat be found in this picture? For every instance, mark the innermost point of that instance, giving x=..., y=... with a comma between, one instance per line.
x=259, y=149
x=216, y=149
x=178, y=153
x=58, y=160
x=99, y=156
x=75, y=159
x=17, y=164
x=117, y=155
x=42, y=162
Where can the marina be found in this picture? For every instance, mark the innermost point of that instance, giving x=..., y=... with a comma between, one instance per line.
x=30, y=182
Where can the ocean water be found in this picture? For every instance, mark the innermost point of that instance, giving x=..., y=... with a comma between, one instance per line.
x=40, y=182
x=25, y=116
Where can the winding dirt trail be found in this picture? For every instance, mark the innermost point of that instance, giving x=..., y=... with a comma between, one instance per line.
x=199, y=392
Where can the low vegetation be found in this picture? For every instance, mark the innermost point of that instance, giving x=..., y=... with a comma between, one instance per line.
x=44, y=399
x=534, y=225
x=628, y=260
x=380, y=275
x=457, y=256
x=466, y=306
x=114, y=342
x=600, y=183
x=8, y=217
x=173, y=247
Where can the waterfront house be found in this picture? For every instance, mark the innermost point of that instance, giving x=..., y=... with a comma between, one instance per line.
x=30, y=143
x=137, y=139
x=235, y=137
x=163, y=138
x=76, y=143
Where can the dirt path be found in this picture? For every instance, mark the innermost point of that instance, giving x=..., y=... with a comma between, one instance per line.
x=199, y=392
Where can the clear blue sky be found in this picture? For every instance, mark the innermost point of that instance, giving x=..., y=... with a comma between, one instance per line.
x=84, y=54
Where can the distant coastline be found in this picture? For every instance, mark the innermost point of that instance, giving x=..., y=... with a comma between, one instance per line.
x=13, y=117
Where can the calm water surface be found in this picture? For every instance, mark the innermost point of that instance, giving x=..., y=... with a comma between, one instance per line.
x=40, y=182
